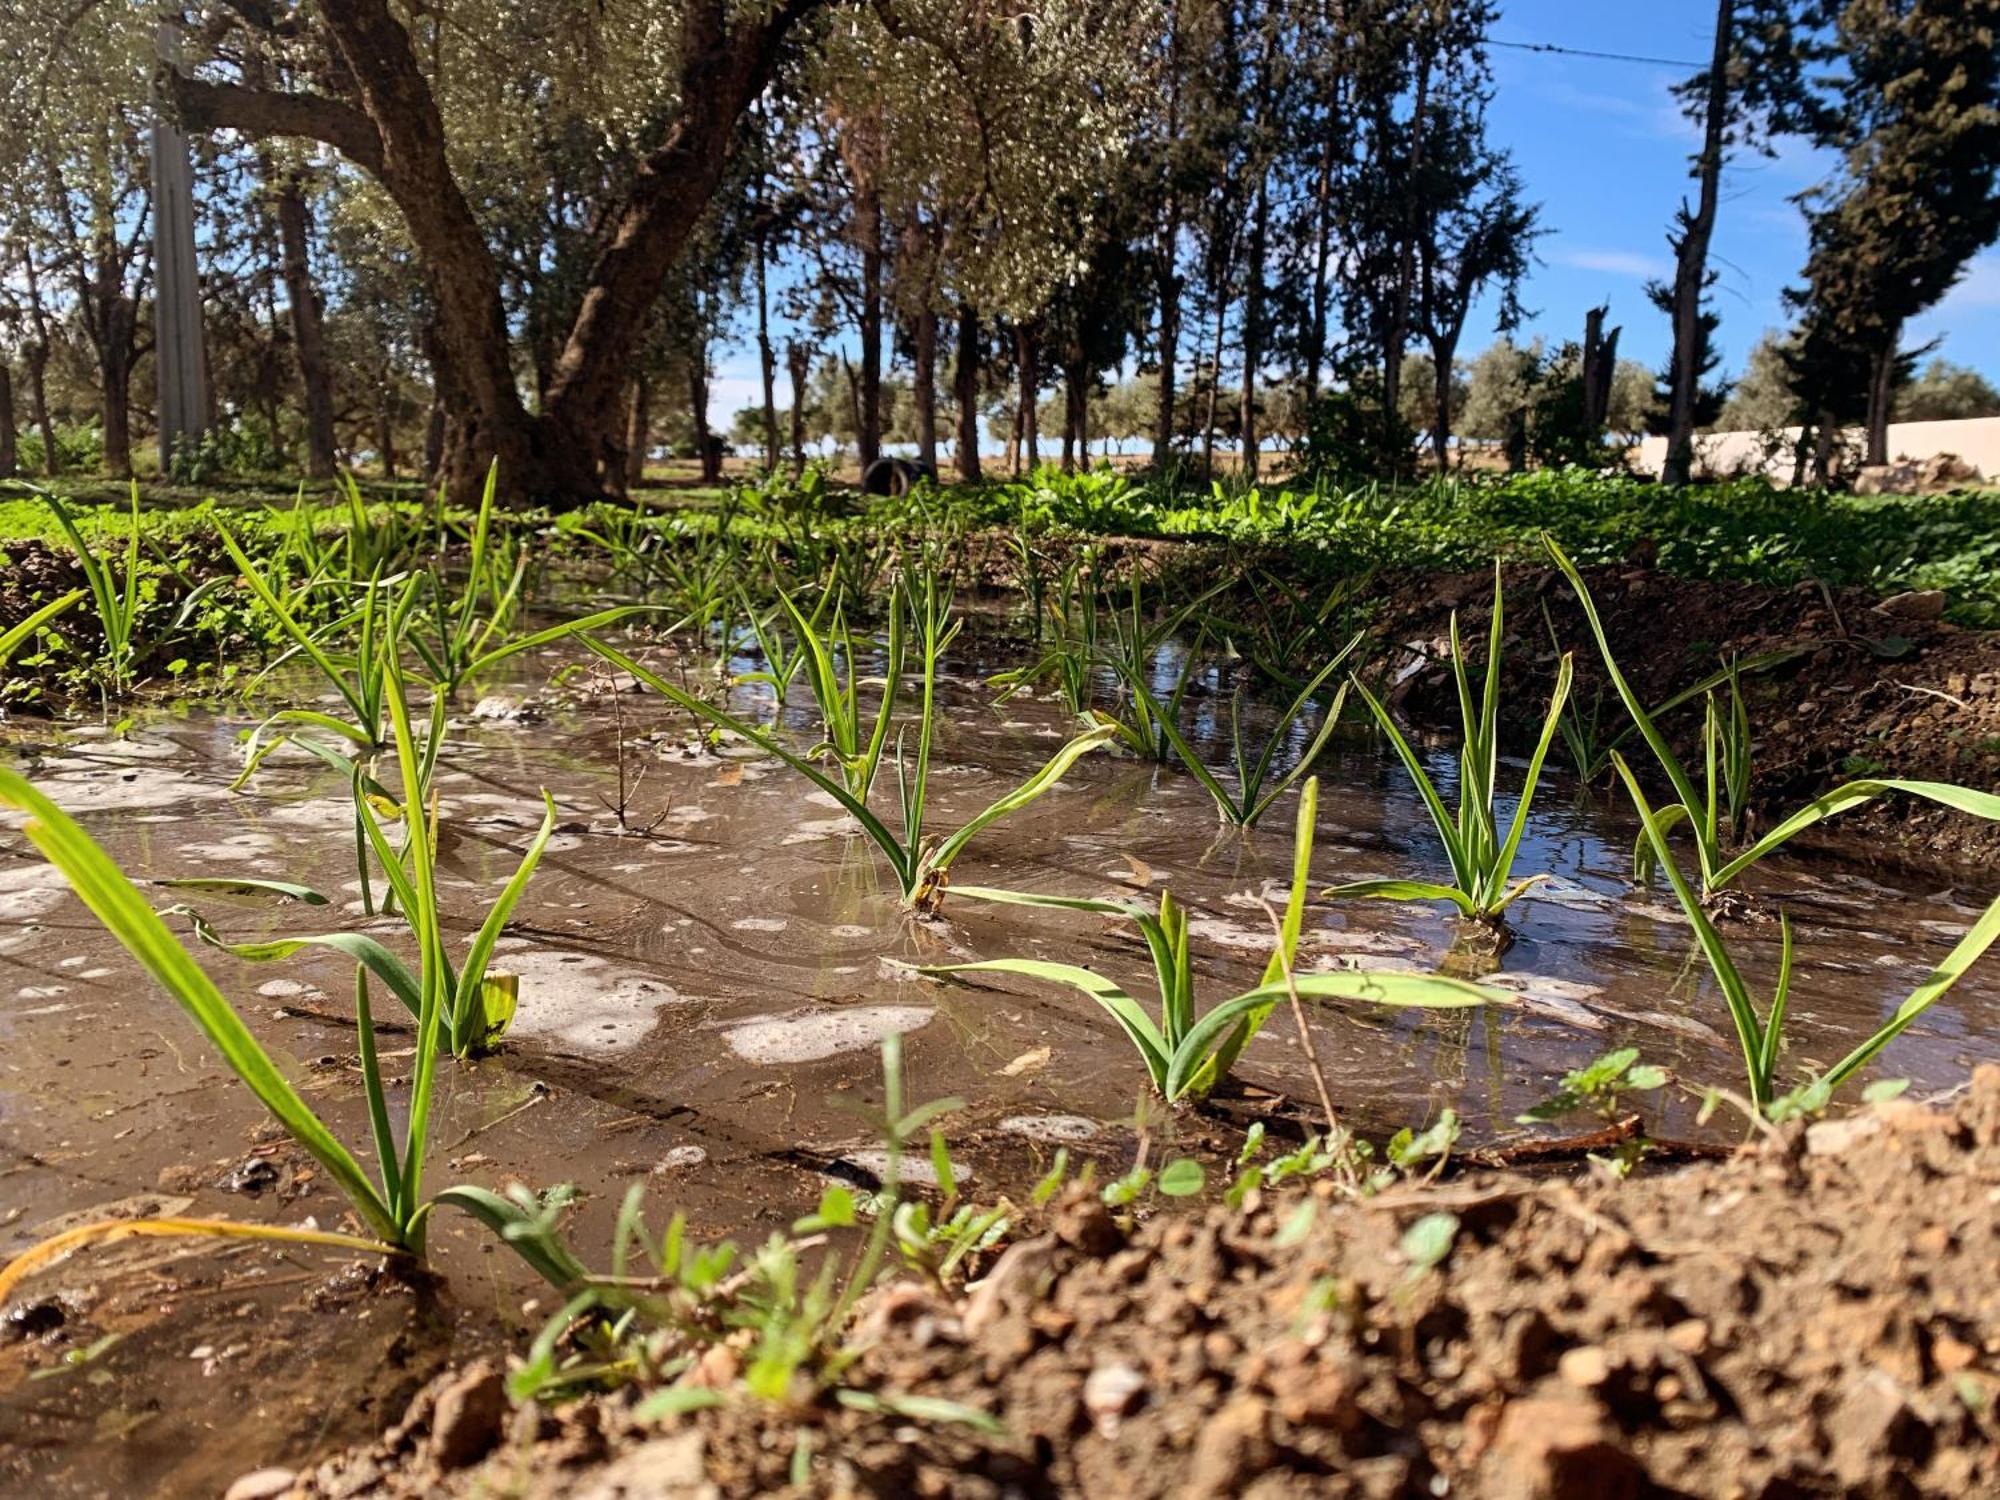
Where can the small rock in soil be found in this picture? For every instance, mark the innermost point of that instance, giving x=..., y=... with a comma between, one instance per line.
x=264, y=1484
x=1916, y=604
x=1559, y=1448
x=251, y=1175
x=466, y=1423
x=1111, y=1392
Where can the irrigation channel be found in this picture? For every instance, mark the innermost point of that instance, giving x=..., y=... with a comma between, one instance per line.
x=702, y=998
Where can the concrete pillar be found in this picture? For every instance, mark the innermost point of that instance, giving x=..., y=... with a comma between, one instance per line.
x=182, y=367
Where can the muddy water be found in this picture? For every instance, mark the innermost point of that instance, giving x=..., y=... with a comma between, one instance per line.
x=701, y=1008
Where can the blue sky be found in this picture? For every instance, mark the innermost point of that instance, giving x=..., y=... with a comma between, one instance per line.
x=1604, y=149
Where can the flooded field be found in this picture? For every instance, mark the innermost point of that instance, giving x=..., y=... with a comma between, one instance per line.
x=703, y=993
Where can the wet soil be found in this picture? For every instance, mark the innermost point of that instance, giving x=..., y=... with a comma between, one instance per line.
x=1816, y=1317
x=701, y=1012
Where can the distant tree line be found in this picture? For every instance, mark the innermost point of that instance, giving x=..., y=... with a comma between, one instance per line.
x=446, y=232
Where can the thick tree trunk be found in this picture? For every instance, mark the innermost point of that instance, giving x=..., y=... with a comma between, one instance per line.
x=1076, y=415
x=638, y=430
x=853, y=397
x=1824, y=440
x=798, y=364
x=1397, y=334
x=923, y=388
x=115, y=371
x=10, y=455
x=1443, y=352
x=1319, y=300
x=965, y=384
x=391, y=127
x=1166, y=251
x=385, y=436
x=705, y=445
x=434, y=426
x=1600, y=364
x=1167, y=291
x=1214, y=383
x=308, y=339
x=1691, y=261
x=868, y=420
x=1253, y=330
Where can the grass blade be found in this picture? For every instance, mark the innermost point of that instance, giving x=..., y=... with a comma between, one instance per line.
x=116, y=902
x=1963, y=956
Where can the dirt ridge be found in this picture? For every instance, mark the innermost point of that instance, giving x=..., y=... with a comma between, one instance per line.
x=1815, y=1317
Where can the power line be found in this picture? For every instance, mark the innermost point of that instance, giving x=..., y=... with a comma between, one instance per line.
x=1658, y=62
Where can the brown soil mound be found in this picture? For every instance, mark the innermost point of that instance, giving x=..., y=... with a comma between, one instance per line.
x=1872, y=687
x=1819, y=1317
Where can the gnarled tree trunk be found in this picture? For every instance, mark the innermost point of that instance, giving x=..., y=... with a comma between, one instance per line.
x=387, y=122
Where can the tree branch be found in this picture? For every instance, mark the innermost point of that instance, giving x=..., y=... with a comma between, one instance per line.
x=267, y=112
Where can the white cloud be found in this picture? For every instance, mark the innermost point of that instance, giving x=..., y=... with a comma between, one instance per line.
x=1614, y=262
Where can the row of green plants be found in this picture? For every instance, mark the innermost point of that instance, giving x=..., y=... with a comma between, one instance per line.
x=1302, y=555
x=402, y=625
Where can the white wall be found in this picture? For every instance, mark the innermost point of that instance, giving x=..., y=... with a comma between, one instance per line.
x=1976, y=440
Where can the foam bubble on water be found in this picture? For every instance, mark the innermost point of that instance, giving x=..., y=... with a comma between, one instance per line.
x=580, y=1000
x=916, y=1166
x=810, y=1035
x=1548, y=995
x=29, y=889
x=83, y=788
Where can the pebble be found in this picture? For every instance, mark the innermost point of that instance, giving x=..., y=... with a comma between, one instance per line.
x=1111, y=1392
x=466, y=1422
x=264, y=1484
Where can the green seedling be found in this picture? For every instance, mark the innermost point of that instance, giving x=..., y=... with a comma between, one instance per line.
x=1482, y=860
x=1142, y=717
x=1073, y=651
x=10, y=641
x=1705, y=808
x=668, y=1299
x=1599, y=1088
x=920, y=863
x=392, y=1204
x=473, y=1004
x=116, y=599
x=1761, y=1039
x=1187, y=1051
x=1255, y=792
x=467, y=634
x=783, y=658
